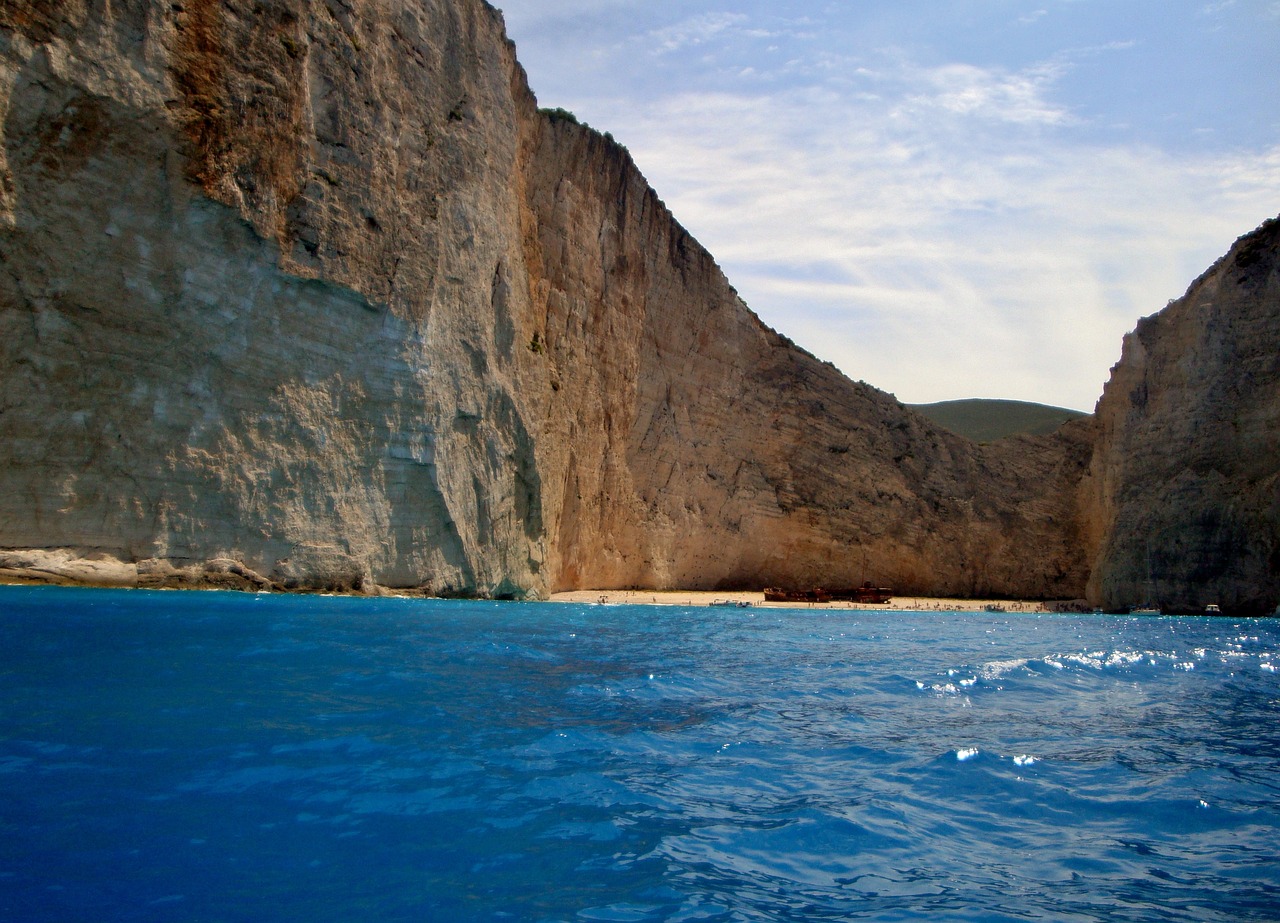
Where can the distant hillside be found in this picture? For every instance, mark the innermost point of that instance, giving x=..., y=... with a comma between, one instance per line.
x=988, y=420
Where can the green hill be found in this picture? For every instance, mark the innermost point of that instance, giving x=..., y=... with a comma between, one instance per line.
x=988, y=420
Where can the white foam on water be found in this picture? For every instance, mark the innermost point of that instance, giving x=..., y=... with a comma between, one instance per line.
x=938, y=688
x=1102, y=660
x=966, y=753
x=996, y=669
x=1025, y=760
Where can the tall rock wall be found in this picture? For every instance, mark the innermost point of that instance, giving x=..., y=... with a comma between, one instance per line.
x=695, y=447
x=262, y=290
x=1183, y=493
x=309, y=293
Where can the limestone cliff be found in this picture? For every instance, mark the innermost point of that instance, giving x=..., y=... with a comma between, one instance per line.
x=309, y=293
x=262, y=291
x=1183, y=491
x=698, y=448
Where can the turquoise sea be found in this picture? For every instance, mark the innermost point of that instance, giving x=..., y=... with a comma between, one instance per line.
x=236, y=757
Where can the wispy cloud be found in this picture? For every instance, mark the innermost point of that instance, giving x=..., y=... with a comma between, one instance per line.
x=934, y=261
x=964, y=89
x=694, y=31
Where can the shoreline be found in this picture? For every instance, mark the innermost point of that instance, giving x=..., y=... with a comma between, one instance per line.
x=757, y=601
x=104, y=572
x=68, y=567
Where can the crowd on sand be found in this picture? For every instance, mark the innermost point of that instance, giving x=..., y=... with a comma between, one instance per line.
x=746, y=599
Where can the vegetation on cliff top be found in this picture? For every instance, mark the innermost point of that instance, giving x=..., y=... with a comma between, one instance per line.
x=988, y=420
x=561, y=115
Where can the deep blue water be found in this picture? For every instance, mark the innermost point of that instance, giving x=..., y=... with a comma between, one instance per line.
x=226, y=757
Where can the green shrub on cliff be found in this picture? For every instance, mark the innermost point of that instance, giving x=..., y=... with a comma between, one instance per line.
x=561, y=115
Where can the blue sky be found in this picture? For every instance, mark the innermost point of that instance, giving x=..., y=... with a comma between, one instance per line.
x=946, y=199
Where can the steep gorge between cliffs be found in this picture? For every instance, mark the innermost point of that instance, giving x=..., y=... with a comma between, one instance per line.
x=310, y=294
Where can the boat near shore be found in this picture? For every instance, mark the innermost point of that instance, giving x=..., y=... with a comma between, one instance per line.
x=779, y=595
x=866, y=594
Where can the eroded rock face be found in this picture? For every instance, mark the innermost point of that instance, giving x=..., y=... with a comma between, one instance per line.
x=1183, y=493
x=701, y=449
x=308, y=293
x=257, y=291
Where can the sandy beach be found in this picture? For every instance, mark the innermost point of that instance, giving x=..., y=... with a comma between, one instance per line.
x=706, y=598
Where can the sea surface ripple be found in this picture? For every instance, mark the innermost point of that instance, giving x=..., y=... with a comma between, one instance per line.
x=228, y=757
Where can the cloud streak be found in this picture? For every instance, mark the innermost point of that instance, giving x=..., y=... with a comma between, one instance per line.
x=963, y=89
x=695, y=31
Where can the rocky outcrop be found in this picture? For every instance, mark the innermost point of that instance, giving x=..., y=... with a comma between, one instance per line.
x=1183, y=493
x=309, y=294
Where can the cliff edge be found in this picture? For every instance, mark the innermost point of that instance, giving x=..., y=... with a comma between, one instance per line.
x=1183, y=490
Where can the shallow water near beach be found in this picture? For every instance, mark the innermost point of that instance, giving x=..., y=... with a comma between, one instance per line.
x=227, y=757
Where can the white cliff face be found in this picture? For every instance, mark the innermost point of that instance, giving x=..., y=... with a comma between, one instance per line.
x=305, y=293
x=1184, y=486
x=257, y=300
